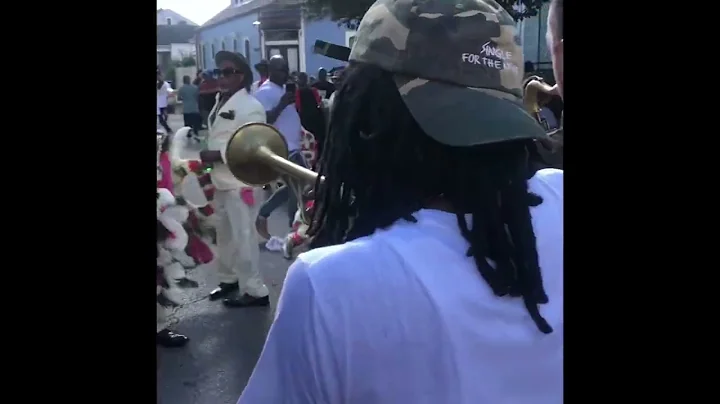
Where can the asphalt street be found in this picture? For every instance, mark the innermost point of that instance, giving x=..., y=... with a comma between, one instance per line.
x=224, y=343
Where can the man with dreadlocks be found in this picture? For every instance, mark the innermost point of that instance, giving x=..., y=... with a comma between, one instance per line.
x=441, y=275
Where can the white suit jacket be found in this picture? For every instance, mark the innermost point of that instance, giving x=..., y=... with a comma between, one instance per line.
x=244, y=108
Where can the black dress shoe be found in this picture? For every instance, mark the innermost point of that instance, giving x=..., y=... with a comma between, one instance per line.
x=223, y=290
x=247, y=301
x=169, y=339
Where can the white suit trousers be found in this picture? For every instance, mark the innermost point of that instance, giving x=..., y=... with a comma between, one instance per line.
x=237, y=242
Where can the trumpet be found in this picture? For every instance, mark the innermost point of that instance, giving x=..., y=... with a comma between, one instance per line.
x=551, y=150
x=534, y=86
x=257, y=155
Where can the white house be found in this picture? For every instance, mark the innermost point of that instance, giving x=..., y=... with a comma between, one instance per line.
x=260, y=29
x=175, y=38
x=168, y=17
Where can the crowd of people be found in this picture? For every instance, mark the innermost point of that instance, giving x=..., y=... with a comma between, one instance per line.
x=435, y=273
x=312, y=95
x=220, y=101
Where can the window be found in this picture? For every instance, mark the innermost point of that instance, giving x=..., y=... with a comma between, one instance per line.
x=235, y=48
x=212, y=51
x=222, y=45
x=168, y=21
x=350, y=37
x=247, y=51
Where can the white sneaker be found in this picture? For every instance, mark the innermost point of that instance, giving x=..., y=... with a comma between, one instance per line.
x=274, y=244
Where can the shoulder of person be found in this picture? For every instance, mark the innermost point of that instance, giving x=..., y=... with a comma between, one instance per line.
x=266, y=88
x=236, y=101
x=255, y=110
x=552, y=177
x=246, y=104
x=341, y=260
x=268, y=96
x=255, y=104
x=242, y=97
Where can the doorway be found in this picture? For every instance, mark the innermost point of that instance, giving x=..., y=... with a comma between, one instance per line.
x=291, y=53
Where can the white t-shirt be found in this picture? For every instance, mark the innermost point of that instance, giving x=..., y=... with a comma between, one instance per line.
x=288, y=123
x=254, y=87
x=162, y=95
x=403, y=316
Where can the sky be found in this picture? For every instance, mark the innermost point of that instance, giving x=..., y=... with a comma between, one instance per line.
x=197, y=11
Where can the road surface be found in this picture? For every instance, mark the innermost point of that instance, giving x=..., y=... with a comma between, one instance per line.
x=224, y=343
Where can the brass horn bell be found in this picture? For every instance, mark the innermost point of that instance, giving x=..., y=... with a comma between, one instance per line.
x=257, y=155
x=530, y=98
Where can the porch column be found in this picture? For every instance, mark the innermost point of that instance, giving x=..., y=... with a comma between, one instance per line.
x=301, y=42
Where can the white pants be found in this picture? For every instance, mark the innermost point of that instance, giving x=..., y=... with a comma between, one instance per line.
x=237, y=242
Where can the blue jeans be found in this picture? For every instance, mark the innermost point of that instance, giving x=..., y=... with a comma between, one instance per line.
x=285, y=193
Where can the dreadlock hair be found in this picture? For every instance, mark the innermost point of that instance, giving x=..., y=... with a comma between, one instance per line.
x=380, y=167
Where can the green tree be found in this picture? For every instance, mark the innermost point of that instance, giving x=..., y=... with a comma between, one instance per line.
x=350, y=12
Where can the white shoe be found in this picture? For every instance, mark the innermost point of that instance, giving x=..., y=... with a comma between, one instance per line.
x=274, y=244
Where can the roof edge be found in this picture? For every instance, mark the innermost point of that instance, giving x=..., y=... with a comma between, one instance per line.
x=250, y=9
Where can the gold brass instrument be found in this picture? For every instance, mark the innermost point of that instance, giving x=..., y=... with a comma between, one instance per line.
x=257, y=155
x=551, y=150
x=535, y=85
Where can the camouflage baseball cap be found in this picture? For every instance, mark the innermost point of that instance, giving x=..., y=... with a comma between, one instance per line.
x=458, y=65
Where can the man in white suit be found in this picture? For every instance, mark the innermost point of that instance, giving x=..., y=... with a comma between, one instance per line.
x=235, y=205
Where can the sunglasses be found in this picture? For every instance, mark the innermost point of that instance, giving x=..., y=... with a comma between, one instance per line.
x=226, y=72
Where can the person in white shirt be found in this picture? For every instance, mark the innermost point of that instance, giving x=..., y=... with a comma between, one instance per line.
x=163, y=92
x=282, y=114
x=437, y=275
x=235, y=202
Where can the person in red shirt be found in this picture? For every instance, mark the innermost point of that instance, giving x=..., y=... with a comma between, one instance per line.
x=308, y=103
